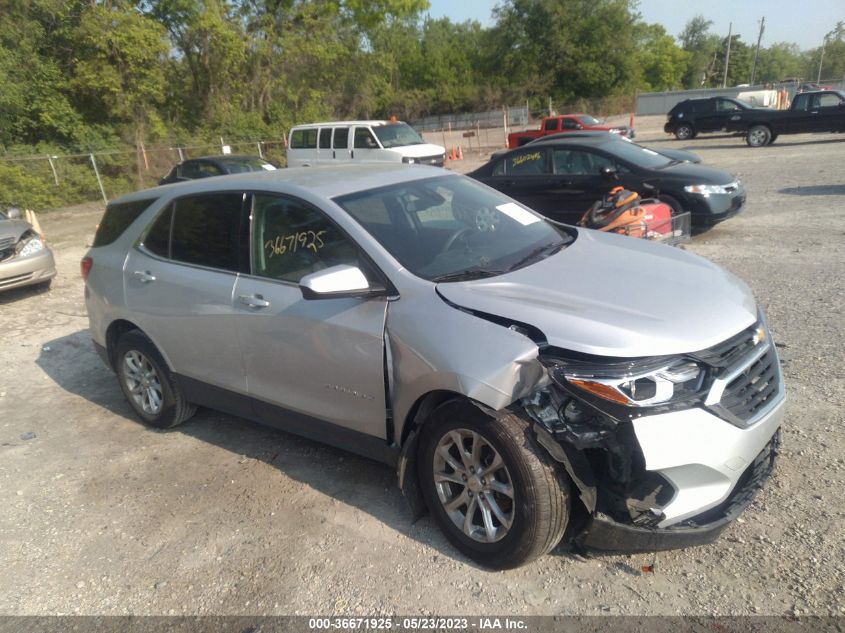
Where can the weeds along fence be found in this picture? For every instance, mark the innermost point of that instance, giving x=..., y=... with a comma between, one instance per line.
x=48, y=181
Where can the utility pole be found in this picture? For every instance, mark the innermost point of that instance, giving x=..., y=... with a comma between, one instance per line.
x=821, y=59
x=757, y=50
x=727, y=56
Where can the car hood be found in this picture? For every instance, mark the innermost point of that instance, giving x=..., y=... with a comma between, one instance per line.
x=419, y=151
x=619, y=296
x=13, y=228
x=698, y=173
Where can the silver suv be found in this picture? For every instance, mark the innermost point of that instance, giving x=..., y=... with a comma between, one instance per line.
x=525, y=378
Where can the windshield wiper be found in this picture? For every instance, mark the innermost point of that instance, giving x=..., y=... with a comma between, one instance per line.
x=552, y=248
x=466, y=275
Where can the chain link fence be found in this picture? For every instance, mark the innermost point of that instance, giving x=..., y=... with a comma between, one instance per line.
x=43, y=182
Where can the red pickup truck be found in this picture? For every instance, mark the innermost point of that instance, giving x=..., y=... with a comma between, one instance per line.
x=565, y=123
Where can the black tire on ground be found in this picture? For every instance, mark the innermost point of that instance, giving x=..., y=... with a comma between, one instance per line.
x=773, y=139
x=536, y=512
x=758, y=136
x=677, y=207
x=684, y=132
x=44, y=286
x=140, y=366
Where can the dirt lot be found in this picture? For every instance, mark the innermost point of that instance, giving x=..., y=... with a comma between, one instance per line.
x=221, y=516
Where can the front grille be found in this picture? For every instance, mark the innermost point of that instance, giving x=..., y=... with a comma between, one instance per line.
x=6, y=242
x=754, y=388
x=746, y=376
x=437, y=159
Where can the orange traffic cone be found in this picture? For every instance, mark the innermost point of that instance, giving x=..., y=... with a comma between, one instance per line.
x=460, y=153
x=451, y=155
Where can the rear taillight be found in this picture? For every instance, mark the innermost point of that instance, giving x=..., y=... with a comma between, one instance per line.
x=85, y=266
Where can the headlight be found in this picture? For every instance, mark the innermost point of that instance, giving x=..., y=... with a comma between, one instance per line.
x=706, y=190
x=408, y=160
x=30, y=246
x=643, y=383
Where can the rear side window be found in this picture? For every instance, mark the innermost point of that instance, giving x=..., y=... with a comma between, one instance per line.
x=117, y=219
x=157, y=240
x=207, y=231
x=529, y=163
x=551, y=125
x=341, y=137
x=304, y=139
x=325, y=138
x=705, y=106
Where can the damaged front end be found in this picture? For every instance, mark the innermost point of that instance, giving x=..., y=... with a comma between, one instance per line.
x=594, y=416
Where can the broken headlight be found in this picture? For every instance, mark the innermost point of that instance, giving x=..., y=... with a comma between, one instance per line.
x=30, y=246
x=632, y=383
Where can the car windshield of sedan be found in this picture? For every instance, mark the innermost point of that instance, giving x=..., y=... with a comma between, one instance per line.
x=397, y=135
x=638, y=155
x=450, y=228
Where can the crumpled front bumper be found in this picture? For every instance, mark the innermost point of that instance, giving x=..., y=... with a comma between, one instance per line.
x=25, y=271
x=603, y=533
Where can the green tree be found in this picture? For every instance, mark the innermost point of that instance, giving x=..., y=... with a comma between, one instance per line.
x=577, y=49
x=662, y=63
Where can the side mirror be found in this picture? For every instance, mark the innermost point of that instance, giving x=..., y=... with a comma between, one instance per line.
x=337, y=282
x=14, y=213
x=609, y=172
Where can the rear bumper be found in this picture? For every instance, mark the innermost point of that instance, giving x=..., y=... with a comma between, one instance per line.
x=604, y=534
x=26, y=271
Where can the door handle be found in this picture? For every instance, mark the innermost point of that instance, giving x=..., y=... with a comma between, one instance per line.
x=254, y=301
x=144, y=276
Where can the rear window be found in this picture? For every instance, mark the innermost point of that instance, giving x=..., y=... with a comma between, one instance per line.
x=117, y=218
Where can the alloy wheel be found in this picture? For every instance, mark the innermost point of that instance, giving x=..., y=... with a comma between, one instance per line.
x=142, y=382
x=474, y=485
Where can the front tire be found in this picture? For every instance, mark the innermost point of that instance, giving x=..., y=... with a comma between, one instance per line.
x=496, y=494
x=684, y=132
x=758, y=136
x=149, y=386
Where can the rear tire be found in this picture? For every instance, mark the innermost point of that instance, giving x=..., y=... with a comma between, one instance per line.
x=502, y=500
x=773, y=139
x=684, y=132
x=149, y=386
x=758, y=136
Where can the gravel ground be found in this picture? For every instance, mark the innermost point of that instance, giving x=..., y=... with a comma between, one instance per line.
x=222, y=516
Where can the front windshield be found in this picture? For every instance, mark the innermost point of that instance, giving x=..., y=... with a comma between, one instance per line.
x=451, y=227
x=586, y=119
x=638, y=155
x=397, y=135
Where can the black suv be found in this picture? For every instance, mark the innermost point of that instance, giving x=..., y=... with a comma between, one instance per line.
x=691, y=116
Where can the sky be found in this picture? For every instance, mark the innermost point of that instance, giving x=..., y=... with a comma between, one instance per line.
x=785, y=22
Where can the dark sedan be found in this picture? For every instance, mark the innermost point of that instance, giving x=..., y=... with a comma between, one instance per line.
x=680, y=155
x=206, y=166
x=563, y=178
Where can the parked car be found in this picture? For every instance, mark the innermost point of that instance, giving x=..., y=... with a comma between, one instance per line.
x=691, y=117
x=566, y=124
x=819, y=111
x=417, y=317
x=562, y=178
x=25, y=258
x=207, y=166
x=679, y=155
x=360, y=141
